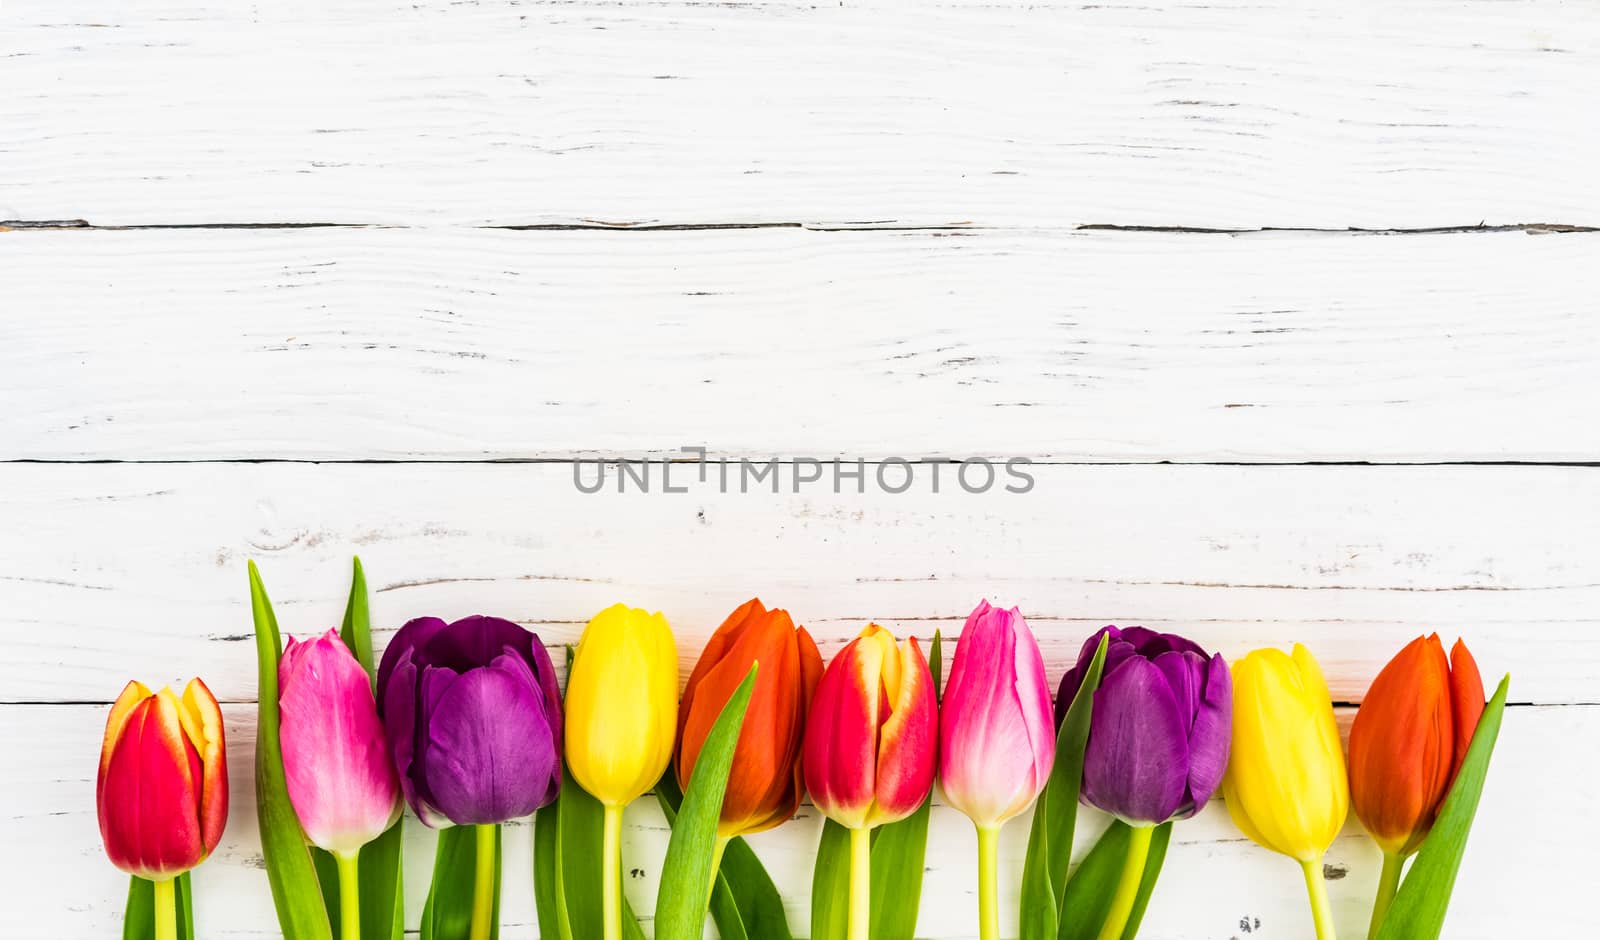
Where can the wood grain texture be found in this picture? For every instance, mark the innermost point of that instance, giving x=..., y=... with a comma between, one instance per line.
x=1282, y=112
x=1099, y=346
x=112, y=572
x=1216, y=883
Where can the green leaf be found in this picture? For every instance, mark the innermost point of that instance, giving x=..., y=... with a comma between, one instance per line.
x=686, y=871
x=447, y=914
x=830, y=884
x=139, y=918
x=1055, y=815
x=547, y=903
x=357, y=628
x=1088, y=893
x=291, y=873
x=1420, y=906
x=898, y=853
x=899, y=850
x=745, y=901
x=580, y=847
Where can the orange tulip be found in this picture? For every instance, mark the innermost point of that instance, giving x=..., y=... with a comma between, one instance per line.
x=162, y=794
x=764, y=786
x=1409, y=739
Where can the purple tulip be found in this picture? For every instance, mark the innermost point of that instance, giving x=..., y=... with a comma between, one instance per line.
x=473, y=716
x=1158, y=741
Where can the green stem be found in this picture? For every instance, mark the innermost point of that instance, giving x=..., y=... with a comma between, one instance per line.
x=1128, y=886
x=349, y=897
x=483, y=883
x=166, y=904
x=988, y=883
x=716, y=861
x=611, y=874
x=860, y=883
x=1388, y=883
x=1317, y=889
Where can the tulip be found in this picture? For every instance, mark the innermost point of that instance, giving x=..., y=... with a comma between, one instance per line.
x=996, y=738
x=473, y=718
x=871, y=746
x=764, y=786
x=1158, y=738
x=162, y=791
x=336, y=766
x=1407, y=743
x=1285, y=785
x=622, y=719
x=341, y=784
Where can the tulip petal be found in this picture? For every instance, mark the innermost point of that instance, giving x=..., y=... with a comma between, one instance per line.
x=132, y=694
x=1466, y=700
x=841, y=740
x=908, y=743
x=1136, y=763
x=1118, y=649
x=203, y=723
x=550, y=700
x=489, y=752
x=412, y=636
x=1209, y=738
x=473, y=642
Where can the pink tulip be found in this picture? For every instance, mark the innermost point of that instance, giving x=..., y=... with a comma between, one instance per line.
x=997, y=738
x=341, y=784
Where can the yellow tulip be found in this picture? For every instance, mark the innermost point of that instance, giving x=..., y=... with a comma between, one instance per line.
x=621, y=723
x=1286, y=786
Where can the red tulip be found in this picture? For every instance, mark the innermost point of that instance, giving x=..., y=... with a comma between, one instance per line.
x=1409, y=739
x=872, y=738
x=764, y=786
x=162, y=794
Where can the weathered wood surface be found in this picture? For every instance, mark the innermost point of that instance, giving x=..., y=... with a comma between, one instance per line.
x=466, y=345
x=1285, y=112
x=122, y=571
x=974, y=317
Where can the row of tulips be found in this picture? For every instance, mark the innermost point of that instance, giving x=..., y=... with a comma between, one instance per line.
x=465, y=723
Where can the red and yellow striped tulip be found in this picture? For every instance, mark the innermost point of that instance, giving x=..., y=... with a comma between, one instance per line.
x=873, y=734
x=162, y=794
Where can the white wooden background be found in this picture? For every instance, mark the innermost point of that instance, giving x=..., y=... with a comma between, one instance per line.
x=1292, y=302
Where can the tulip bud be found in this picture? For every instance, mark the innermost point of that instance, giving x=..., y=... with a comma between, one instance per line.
x=162, y=793
x=622, y=704
x=1409, y=739
x=764, y=785
x=871, y=739
x=473, y=718
x=996, y=738
x=342, y=787
x=1285, y=785
x=1158, y=735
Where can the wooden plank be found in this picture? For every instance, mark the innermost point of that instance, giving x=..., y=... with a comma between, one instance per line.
x=1215, y=883
x=362, y=344
x=121, y=571
x=1282, y=112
